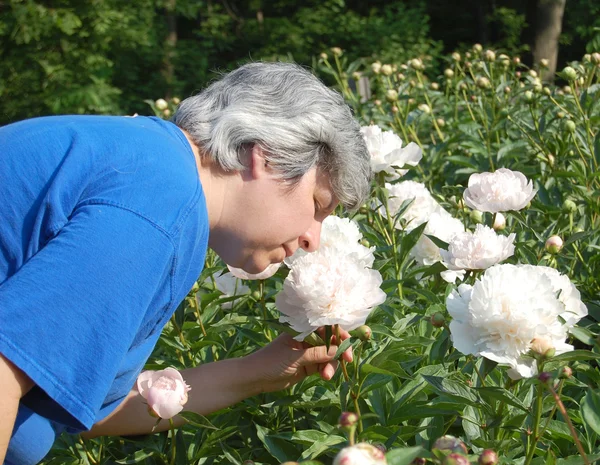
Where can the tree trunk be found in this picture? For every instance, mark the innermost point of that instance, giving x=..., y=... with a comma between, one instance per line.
x=170, y=44
x=548, y=26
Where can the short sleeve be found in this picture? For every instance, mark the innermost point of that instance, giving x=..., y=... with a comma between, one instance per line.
x=69, y=315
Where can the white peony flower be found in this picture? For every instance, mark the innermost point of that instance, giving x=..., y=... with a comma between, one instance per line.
x=387, y=153
x=266, y=273
x=478, y=250
x=327, y=287
x=342, y=234
x=419, y=211
x=360, y=454
x=500, y=191
x=230, y=286
x=501, y=315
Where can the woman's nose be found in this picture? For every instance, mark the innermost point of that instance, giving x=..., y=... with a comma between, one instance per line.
x=311, y=239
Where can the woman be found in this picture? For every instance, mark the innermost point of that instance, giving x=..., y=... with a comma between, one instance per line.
x=103, y=231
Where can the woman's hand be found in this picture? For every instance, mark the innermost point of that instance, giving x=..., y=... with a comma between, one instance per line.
x=285, y=361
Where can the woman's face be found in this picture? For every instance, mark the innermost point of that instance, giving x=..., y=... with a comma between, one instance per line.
x=273, y=219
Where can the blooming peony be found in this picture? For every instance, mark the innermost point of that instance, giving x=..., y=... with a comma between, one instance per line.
x=478, y=250
x=360, y=454
x=230, y=286
x=509, y=308
x=419, y=211
x=164, y=390
x=266, y=273
x=328, y=287
x=387, y=153
x=500, y=191
x=342, y=234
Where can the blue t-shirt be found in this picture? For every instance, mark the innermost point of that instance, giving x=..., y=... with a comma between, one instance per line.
x=103, y=231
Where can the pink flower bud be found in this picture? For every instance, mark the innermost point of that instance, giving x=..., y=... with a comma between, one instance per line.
x=554, y=244
x=164, y=390
x=348, y=419
x=488, y=457
x=438, y=320
x=544, y=377
x=360, y=454
x=565, y=372
x=455, y=459
x=363, y=332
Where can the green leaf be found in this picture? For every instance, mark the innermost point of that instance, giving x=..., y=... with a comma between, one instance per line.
x=503, y=395
x=590, y=409
x=453, y=389
x=351, y=341
x=279, y=448
x=195, y=419
x=405, y=456
x=576, y=355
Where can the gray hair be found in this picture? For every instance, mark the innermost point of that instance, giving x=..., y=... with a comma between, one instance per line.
x=292, y=115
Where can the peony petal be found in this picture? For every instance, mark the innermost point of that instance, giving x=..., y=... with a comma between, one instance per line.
x=144, y=382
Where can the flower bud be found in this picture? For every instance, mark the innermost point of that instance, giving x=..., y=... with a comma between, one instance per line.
x=363, y=333
x=256, y=295
x=490, y=55
x=477, y=48
x=570, y=126
x=337, y=51
x=166, y=112
x=161, y=104
x=565, y=372
x=391, y=95
x=450, y=444
x=438, y=320
x=380, y=446
x=528, y=96
x=377, y=102
x=547, y=91
x=356, y=76
x=543, y=346
x=476, y=216
x=468, y=55
x=394, y=109
x=411, y=101
x=518, y=74
x=376, y=67
x=360, y=454
x=448, y=73
x=499, y=222
x=569, y=206
x=479, y=65
x=455, y=459
x=544, y=63
x=551, y=160
x=554, y=244
x=434, y=86
x=516, y=60
x=348, y=419
x=401, y=77
x=417, y=63
x=176, y=100
x=504, y=60
x=468, y=64
x=403, y=66
x=483, y=83
x=441, y=122
x=507, y=90
x=456, y=56
x=386, y=70
x=544, y=377
x=596, y=58
x=569, y=73
x=323, y=56
x=587, y=58
x=488, y=457
x=533, y=73
x=424, y=108
x=419, y=461
x=567, y=90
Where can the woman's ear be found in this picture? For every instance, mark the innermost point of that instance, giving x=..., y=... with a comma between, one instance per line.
x=257, y=162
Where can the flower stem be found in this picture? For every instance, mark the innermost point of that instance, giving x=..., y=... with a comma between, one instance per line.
x=173, y=443
x=537, y=416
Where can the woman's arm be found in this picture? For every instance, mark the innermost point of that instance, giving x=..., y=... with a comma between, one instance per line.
x=217, y=385
x=14, y=384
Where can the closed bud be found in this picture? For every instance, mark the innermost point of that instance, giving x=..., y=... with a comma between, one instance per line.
x=256, y=295
x=544, y=63
x=483, y=83
x=504, y=60
x=166, y=112
x=376, y=67
x=403, y=66
x=518, y=74
x=348, y=419
x=417, y=63
x=394, y=109
x=581, y=81
x=363, y=332
x=554, y=244
x=560, y=114
x=570, y=126
x=533, y=73
x=424, y=108
x=596, y=58
x=507, y=90
x=323, y=56
x=499, y=222
x=377, y=103
x=565, y=372
x=528, y=96
x=386, y=70
x=569, y=206
x=542, y=346
x=176, y=100
x=468, y=64
x=337, y=51
x=434, y=86
x=488, y=457
x=587, y=58
x=441, y=122
x=455, y=459
x=476, y=216
x=545, y=377
x=516, y=60
x=411, y=101
x=490, y=55
x=448, y=73
x=477, y=48
x=289, y=463
x=468, y=55
x=161, y=104
x=450, y=444
x=401, y=77
x=569, y=73
x=391, y=95
x=547, y=91
x=567, y=90
x=356, y=76
x=479, y=65
x=438, y=320
x=551, y=160
x=456, y=56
